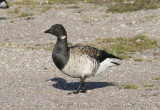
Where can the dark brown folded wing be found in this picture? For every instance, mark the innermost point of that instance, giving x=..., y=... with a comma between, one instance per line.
x=99, y=55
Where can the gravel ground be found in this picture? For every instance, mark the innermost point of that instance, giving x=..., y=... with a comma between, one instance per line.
x=30, y=81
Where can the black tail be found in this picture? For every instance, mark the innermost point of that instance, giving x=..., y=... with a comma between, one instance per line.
x=115, y=63
x=107, y=55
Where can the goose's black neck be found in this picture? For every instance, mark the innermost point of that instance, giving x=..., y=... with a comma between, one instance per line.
x=60, y=53
x=62, y=42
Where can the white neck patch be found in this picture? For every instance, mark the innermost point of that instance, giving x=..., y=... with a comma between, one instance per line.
x=62, y=37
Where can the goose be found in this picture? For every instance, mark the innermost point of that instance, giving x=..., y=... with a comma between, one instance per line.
x=78, y=61
x=3, y=4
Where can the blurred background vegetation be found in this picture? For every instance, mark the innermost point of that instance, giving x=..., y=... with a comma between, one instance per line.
x=119, y=6
x=120, y=46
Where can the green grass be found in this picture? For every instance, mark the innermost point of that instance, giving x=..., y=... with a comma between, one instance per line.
x=157, y=58
x=107, y=15
x=156, y=78
x=2, y=44
x=26, y=2
x=30, y=5
x=114, y=5
x=29, y=18
x=15, y=11
x=128, y=85
x=149, y=17
x=76, y=1
x=149, y=85
x=74, y=7
x=138, y=60
x=121, y=6
x=148, y=60
x=48, y=46
x=123, y=46
x=148, y=89
x=63, y=1
x=25, y=15
x=12, y=21
x=44, y=9
x=141, y=59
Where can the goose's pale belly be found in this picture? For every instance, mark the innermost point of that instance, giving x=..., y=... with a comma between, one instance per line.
x=80, y=66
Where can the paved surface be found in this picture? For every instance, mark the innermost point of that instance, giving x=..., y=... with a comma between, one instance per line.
x=30, y=81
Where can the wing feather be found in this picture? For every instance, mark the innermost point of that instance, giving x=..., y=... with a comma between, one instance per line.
x=99, y=55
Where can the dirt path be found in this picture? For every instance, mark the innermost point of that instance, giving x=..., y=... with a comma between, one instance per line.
x=25, y=73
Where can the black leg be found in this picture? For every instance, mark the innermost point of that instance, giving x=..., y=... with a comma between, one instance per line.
x=78, y=89
x=83, y=88
x=81, y=85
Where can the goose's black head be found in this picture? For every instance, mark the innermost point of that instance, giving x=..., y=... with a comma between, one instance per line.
x=57, y=30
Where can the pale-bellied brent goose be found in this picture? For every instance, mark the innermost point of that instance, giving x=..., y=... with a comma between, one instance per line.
x=3, y=4
x=78, y=61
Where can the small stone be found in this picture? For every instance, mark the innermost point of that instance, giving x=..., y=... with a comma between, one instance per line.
x=133, y=22
x=157, y=50
x=123, y=25
x=138, y=40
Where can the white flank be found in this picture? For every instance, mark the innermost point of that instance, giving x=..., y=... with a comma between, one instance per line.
x=80, y=66
x=3, y=5
x=104, y=65
x=83, y=65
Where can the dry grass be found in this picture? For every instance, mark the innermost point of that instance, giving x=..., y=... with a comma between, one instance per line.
x=25, y=15
x=138, y=59
x=121, y=6
x=63, y=1
x=156, y=78
x=44, y=9
x=114, y=5
x=48, y=46
x=77, y=1
x=128, y=85
x=2, y=44
x=123, y=46
x=149, y=85
x=15, y=11
x=28, y=5
x=25, y=2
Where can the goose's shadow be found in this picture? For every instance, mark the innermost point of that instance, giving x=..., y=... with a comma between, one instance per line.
x=62, y=84
x=2, y=18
